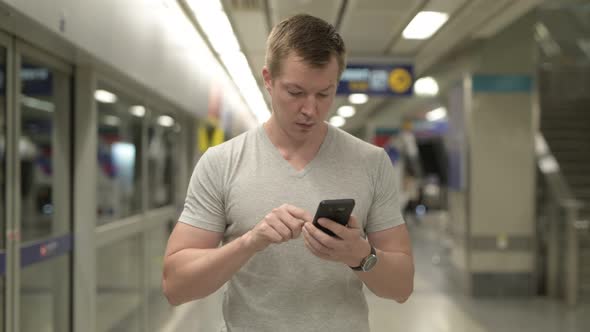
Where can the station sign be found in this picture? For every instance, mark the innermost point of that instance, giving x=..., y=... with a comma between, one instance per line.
x=377, y=80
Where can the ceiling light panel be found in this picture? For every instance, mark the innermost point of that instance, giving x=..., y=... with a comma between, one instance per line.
x=411, y=46
x=425, y=24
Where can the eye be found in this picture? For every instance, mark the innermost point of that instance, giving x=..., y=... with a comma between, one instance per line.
x=323, y=95
x=295, y=93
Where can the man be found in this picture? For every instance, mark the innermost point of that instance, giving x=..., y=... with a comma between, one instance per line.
x=256, y=193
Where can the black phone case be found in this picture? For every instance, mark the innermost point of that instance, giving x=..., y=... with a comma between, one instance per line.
x=338, y=210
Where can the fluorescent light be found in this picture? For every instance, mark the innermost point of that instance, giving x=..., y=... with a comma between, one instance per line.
x=137, y=110
x=238, y=67
x=218, y=30
x=437, y=114
x=337, y=121
x=426, y=86
x=105, y=96
x=37, y=103
x=123, y=155
x=358, y=98
x=545, y=40
x=260, y=111
x=548, y=164
x=165, y=121
x=346, y=111
x=424, y=25
x=216, y=25
x=206, y=6
x=111, y=120
x=584, y=45
x=541, y=145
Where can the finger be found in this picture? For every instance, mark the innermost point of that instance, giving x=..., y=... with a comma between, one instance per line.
x=265, y=230
x=273, y=221
x=283, y=230
x=293, y=223
x=319, y=235
x=314, y=246
x=308, y=245
x=299, y=213
x=353, y=222
x=335, y=227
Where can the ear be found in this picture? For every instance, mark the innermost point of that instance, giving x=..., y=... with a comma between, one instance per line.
x=267, y=79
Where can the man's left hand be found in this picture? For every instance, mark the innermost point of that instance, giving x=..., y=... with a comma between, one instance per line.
x=348, y=248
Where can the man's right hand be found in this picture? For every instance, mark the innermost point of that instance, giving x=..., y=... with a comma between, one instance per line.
x=281, y=225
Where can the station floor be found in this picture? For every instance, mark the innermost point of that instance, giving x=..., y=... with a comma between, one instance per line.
x=437, y=304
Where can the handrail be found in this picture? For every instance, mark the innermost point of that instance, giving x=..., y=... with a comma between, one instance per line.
x=549, y=167
x=563, y=197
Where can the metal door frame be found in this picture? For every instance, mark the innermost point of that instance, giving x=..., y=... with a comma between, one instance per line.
x=7, y=43
x=17, y=50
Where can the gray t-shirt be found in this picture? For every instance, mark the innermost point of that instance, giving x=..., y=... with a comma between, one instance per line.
x=285, y=287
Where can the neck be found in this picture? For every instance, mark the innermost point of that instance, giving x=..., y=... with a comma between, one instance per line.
x=291, y=147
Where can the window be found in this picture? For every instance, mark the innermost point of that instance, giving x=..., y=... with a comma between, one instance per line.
x=119, y=120
x=162, y=159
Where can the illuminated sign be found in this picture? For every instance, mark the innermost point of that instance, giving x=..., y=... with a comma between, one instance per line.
x=377, y=80
x=36, y=81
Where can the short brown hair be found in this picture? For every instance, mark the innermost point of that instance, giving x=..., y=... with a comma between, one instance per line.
x=309, y=37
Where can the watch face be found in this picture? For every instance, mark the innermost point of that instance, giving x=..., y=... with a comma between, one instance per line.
x=370, y=262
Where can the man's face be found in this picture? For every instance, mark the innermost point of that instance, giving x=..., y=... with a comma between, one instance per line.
x=301, y=96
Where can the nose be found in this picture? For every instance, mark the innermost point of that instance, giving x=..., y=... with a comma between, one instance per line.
x=310, y=106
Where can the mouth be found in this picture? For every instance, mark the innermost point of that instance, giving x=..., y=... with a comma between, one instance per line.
x=306, y=126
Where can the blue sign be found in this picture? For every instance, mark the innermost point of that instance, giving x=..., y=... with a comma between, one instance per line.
x=423, y=129
x=36, y=81
x=46, y=249
x=377, y=80
x=502, y=83
x=2, y=79
x=2, y=263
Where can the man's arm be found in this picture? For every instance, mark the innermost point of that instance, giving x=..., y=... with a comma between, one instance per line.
x=194, y=265
x=392, y=277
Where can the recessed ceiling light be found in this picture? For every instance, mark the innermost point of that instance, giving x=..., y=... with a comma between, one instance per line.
x=358, y=98
x=337, y=121
x=424, y=25
x=105, y=96
x=346, y=111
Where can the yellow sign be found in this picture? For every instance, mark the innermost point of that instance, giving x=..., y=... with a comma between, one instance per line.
x=358, y=86
x=209, y=135
x=400, y=80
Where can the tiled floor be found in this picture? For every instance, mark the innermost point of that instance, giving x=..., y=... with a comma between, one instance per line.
x=436, y=304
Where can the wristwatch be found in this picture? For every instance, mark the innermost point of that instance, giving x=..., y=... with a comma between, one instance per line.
x=368, y=262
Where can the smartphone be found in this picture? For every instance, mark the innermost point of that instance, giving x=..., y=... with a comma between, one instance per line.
x=338, y=210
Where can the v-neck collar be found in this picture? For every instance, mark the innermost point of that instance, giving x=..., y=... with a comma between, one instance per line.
x=274, y=151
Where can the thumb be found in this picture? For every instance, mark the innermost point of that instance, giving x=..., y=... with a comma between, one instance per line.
x=353, y=222
x=300, y=214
